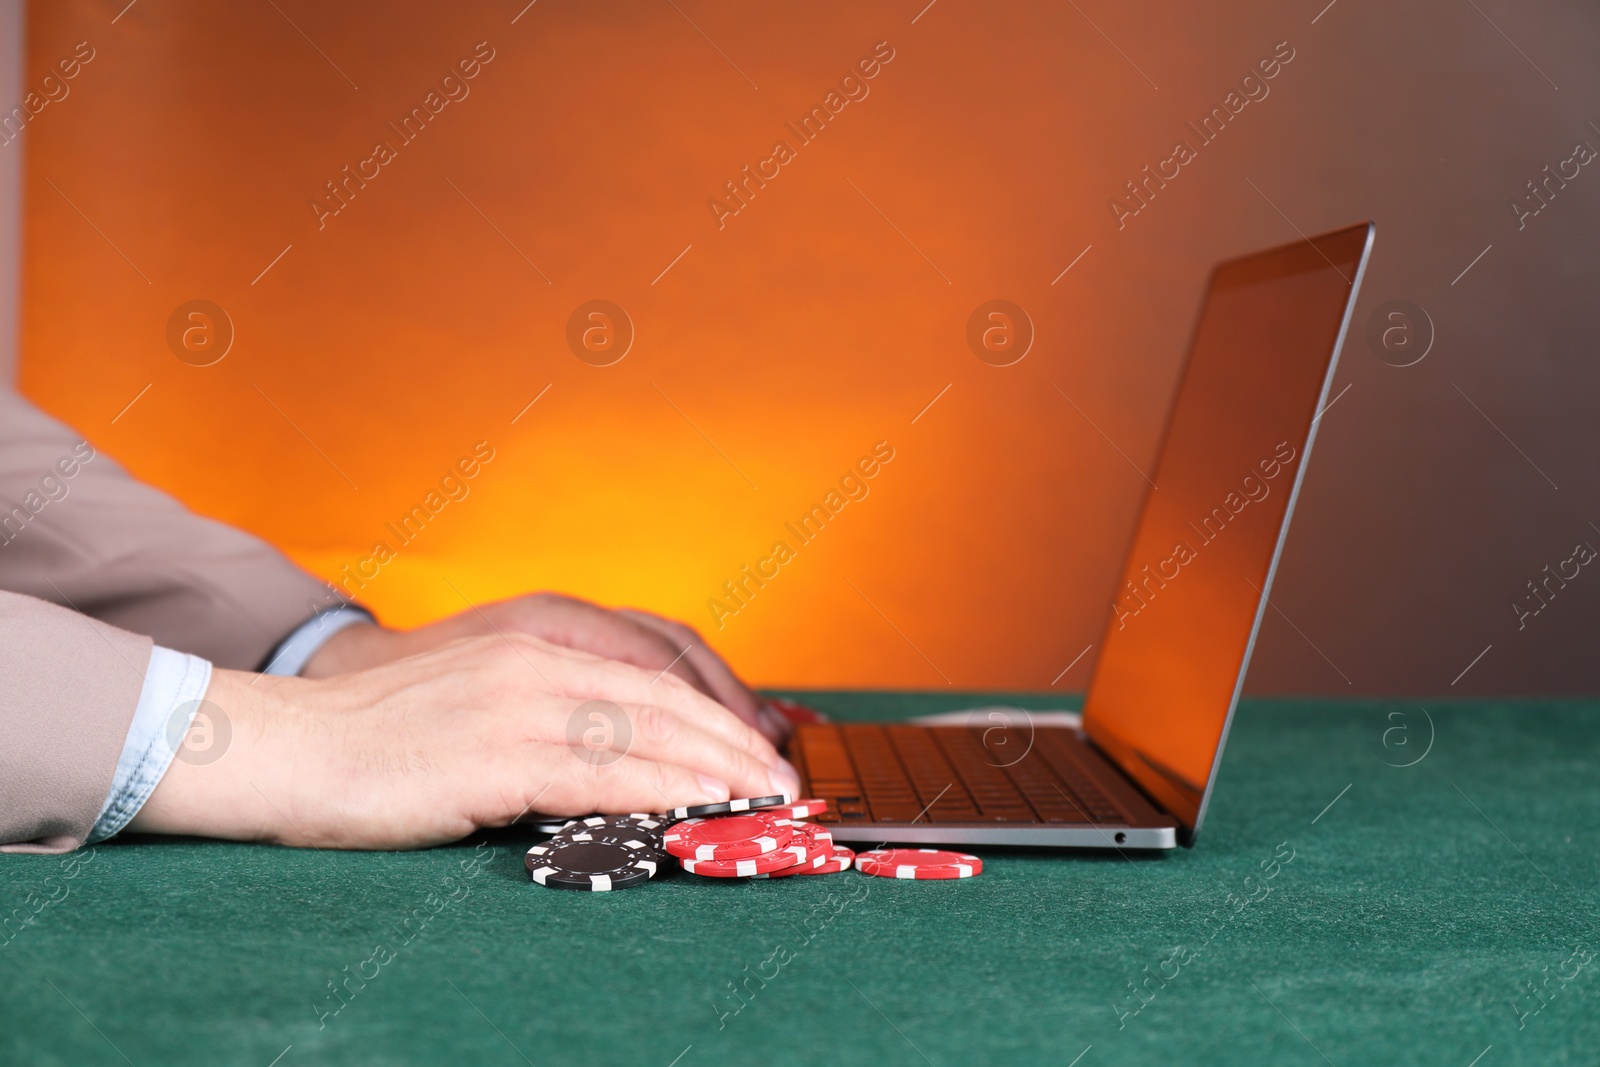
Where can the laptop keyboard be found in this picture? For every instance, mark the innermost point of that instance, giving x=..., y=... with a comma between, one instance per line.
x=951, y=774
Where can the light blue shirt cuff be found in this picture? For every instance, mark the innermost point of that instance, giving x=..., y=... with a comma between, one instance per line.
x=297, y=649
x=174, y=684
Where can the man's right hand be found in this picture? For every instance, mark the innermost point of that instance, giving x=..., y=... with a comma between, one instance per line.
x=427, y=749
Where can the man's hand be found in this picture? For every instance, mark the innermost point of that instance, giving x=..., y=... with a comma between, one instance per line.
x=644, y=640
x=477, y=733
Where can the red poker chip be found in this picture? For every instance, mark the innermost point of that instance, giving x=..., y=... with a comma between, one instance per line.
x=814, y=860
x=800, y=809
x=787, y=856
x=841, y=860
x=811, y=834
x=795, y=712
x=836, y=859
x=819, y=849
x=918, y=864
x=728, y=837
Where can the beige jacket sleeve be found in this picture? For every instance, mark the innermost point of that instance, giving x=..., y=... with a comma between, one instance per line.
x=77, y=531
x=68, y=690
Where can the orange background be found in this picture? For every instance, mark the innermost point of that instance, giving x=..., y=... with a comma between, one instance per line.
x=823, y=318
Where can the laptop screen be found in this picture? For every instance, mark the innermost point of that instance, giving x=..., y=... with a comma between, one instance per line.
x=1192, y=592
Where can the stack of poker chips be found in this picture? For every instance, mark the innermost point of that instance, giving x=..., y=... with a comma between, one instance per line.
x=768, y=839
x=763, y=837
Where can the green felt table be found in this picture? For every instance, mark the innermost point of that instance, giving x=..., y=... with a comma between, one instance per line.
x=1430, y=914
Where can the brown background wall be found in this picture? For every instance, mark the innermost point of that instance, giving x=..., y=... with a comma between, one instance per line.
x=829, y=312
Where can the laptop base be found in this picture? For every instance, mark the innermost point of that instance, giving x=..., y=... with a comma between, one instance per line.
x=1040, y=787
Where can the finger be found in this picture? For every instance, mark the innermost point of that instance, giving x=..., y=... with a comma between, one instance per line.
x=558, y=780
x=581, y=676
x=581, y=625
x=629, y=784
x=724, y=686
x=658, y=734
x=589, y=678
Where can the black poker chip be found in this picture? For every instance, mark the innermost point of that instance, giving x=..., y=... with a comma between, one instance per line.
x=609, y=826
x=628, y=830
x=546, y=824
x=700, y=811
x=592, y=866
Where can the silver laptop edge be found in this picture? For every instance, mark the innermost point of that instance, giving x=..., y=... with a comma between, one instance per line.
x=1129, y=836
x=1283, y=532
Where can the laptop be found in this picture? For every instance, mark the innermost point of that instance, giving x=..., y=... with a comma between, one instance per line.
x=1188, y=605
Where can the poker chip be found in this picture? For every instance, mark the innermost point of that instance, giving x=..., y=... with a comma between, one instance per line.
x=788, y=856
x=700, y=811
x=794, y=711
x=800, y=809
x=728, y=837
x=643, y=844
x=630, y=831
x=837, y=858
x=616, y=825
x=819, y=850
x=820, y=835
x=918, y=863
x=806, y=866
x=842, y=859
x=546, y=824
x=593, y=866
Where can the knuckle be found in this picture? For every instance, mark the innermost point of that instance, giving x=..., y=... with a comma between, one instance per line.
x=658, y=782
x=520, y=642
x=655, y=723
x=745, y=769
x=676, y=686
x=503, y=654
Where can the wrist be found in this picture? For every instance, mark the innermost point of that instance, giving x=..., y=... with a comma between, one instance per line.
x=247, y=792
x=353, y=648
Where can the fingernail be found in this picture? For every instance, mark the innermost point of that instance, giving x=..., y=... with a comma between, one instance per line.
x=716, y=789
x=784, y=778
